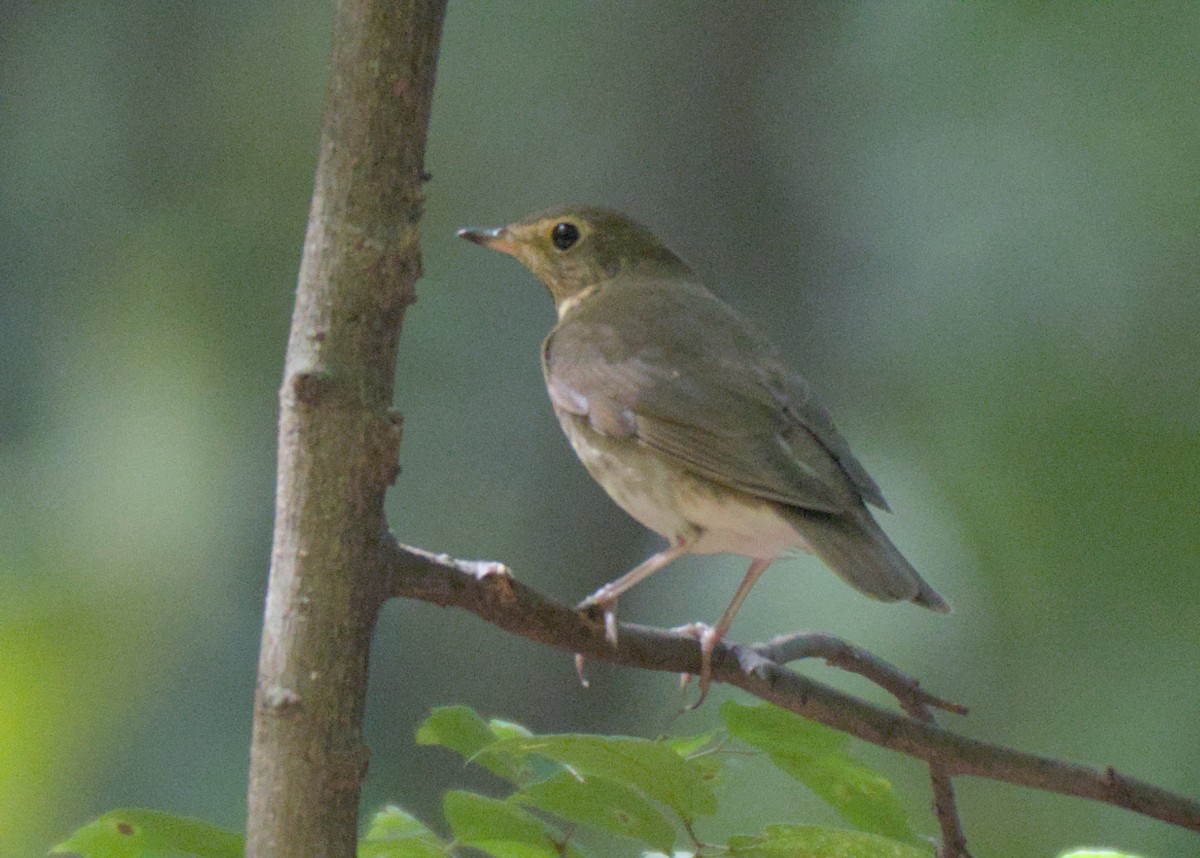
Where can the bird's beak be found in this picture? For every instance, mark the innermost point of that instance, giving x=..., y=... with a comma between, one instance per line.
x=497, y=238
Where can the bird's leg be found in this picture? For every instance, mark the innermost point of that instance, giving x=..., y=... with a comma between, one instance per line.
x=710, y=636
x=606, y=597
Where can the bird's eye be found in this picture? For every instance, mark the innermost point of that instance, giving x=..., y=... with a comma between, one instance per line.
x=565, y=235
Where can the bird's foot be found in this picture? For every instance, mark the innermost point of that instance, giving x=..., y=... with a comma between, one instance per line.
x=708, y=637
x=606, y=604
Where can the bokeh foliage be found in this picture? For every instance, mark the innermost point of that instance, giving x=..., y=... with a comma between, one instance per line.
x=973, y=225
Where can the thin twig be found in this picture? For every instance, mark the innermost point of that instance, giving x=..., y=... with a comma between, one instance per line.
x=945, y=808
x=508, y=604
x=854, y=659
x=908, y=692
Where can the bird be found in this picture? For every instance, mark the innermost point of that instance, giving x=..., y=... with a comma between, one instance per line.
x=686, y=415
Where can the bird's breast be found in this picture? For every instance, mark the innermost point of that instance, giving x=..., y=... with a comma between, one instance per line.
x=670, y=500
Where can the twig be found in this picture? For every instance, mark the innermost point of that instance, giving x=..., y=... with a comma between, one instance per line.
x=945, y=808
x=508, y=604
x=854, y=659
x=912, y=698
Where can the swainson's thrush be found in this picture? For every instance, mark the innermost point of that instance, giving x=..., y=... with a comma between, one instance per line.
x=684, y=413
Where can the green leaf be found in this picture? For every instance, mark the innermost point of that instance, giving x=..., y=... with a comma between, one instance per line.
x=816, y=756
x=810, y=841
x=502, y=729
x=394, y=833
x=602, y=803
x=1096, y=853
x=699, y=751
x=137, y=833
x=686, y=746
x=460, y=729
x=652, y=767
x=710, y=767
x=497, y=827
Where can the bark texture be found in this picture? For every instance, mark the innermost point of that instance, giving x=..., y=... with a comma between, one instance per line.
x=338, y=439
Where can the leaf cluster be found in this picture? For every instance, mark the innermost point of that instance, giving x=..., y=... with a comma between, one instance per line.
x=568, y=788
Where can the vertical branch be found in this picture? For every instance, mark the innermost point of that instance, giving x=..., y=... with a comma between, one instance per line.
x=338, y=441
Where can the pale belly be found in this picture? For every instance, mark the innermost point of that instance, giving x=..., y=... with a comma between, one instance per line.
x=670, y=501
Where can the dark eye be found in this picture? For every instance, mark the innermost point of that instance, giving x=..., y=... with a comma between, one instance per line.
x=565, y=235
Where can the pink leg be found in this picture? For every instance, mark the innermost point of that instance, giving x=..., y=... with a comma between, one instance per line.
x=710, y=637
x=606, y=597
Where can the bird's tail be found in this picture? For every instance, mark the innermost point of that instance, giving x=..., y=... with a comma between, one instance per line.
x=854, y=546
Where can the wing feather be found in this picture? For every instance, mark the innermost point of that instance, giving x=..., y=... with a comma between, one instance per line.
x=697, y=383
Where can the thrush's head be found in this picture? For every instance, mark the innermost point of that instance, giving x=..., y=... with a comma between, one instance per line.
x=571, y=249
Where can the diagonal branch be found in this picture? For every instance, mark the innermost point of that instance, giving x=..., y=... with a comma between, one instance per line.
x=853, y=659
x=487, y=590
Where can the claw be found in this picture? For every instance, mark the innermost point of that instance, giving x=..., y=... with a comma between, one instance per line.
x=708, y=638
x=579, y=670
x=609, y=608
x=610, y=625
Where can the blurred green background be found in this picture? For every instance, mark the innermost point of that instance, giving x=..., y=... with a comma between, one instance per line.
x=974, y=226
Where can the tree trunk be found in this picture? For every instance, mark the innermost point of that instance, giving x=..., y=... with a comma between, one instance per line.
x=338, y=440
